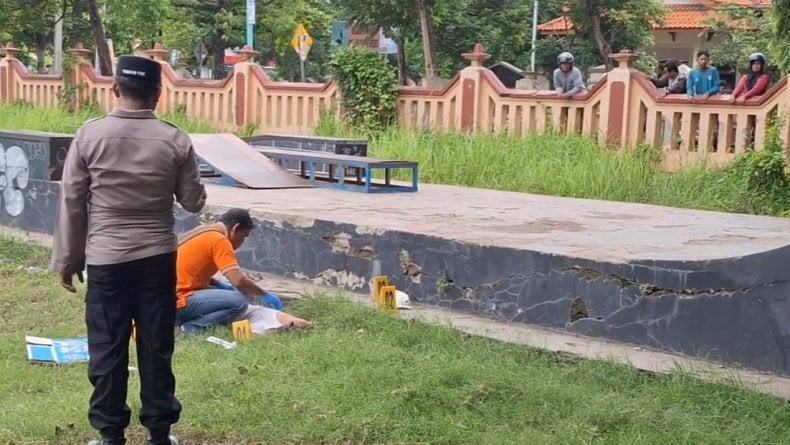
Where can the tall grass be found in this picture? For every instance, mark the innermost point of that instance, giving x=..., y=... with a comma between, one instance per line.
x=577, y=166
x=552, y=164
x=22, y=116
x=560, y=165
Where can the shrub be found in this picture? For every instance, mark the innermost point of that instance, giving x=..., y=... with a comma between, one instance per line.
x=757, y=181
x=368, y=87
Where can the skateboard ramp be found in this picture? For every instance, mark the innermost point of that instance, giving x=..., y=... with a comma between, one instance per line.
x=234, y=159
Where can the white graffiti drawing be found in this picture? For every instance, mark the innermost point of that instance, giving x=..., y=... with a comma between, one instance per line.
x=14, y=178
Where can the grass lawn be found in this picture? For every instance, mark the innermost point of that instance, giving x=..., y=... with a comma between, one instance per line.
x=364, y=378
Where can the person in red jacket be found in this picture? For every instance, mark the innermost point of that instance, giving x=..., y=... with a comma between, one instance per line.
x=755, y=83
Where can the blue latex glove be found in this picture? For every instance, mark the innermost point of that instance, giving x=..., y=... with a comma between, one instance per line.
x=272, y=301
x=268, y=299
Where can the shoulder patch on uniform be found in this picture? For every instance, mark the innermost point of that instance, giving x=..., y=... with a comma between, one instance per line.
x=170, y=123
x=94, y=119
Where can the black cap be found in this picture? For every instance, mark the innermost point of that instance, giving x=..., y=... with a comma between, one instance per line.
x=139, y=68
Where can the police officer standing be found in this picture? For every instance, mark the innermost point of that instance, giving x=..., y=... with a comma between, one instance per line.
x=116, y=217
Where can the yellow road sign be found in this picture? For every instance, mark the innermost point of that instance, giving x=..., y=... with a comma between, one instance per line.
x=301, y=42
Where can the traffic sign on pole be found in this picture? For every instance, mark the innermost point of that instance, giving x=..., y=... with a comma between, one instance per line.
x=302, y=42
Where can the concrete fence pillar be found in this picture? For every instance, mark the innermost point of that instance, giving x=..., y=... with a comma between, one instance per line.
x=615, y=115
x=7, y=72
x=242, y=74
x=470, y=78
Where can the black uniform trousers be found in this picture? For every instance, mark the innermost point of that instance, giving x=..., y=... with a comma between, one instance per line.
x=143, y=291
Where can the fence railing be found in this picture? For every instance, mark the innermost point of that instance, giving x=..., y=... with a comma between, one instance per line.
x=623, y=109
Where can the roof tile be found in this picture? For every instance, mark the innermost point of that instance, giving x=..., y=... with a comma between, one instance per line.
x=677, y=17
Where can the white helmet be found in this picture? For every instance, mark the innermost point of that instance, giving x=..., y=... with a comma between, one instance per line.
x=565, y=57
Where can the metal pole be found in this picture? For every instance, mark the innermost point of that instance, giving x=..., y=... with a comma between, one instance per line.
x=250, y=22
x=301, y=65
x=534, y=34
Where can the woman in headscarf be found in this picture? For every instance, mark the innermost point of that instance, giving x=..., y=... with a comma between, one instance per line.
x=755, y=83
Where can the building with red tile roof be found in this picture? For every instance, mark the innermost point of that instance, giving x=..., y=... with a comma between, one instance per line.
x=683, y=31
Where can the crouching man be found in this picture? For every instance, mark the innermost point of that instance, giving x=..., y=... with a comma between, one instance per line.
x=204, y=302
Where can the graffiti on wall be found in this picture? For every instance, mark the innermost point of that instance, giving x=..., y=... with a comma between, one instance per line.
x=14, y=179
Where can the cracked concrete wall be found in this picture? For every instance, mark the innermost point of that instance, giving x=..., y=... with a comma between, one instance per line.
x=700, y=309
x=730, y=310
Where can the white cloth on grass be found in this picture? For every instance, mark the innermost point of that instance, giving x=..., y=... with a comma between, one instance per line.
x=261, y=318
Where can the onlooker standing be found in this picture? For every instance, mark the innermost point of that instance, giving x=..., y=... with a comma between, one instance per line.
x=704, y=80
x=671, y=79
x=567, y=78
x=755, y=83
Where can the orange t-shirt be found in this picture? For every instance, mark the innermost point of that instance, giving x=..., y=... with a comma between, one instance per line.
x=202, y=252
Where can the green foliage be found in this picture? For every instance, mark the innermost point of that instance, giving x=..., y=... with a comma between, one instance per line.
x=220, y=24
x=24, y=116
x=401, y=20
x=368, y=87
x=740, y=32
x=129, y=19
x=330, y=125
x=504, y=27
x=31, y=25
x=780, y=41
x=625, y=24
x=757, y=181
x=277, y=23
x=68, y=95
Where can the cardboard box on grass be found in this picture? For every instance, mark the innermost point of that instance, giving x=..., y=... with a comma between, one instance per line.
x=56, y=350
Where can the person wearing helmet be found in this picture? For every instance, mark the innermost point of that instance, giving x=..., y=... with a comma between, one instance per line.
x=567, y=78
x=753, y=84
x=704, y=80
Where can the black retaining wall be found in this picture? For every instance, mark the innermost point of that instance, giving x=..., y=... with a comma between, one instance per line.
x=733, y=310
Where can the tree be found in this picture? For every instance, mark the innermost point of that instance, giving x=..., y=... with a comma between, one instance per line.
x=428, y=40
x=105, y=61
x=220, y=23
x=31, y=23
x=600, y=27
x=616, y=24
x=740, y=32
x=780, y=44
x=276, y=26
x=127, y=20
x=400, y=17
x=500, y=25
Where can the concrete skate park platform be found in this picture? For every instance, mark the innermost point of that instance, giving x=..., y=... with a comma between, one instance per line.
x=703, y=284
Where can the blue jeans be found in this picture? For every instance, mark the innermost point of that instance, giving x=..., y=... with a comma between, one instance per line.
x=210, y=307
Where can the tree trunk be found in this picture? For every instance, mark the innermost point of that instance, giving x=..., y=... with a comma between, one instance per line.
x=403, y=72
x=105, y=62
x=219, y=59
x=41, y=41
x=428, y=45
x=597, y=33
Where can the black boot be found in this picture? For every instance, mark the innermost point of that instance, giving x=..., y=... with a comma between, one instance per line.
x=169, y=440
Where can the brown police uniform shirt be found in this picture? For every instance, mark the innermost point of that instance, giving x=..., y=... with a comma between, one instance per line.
x=120, y=177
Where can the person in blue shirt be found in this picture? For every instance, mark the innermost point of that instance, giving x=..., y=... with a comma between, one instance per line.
x=703, y=81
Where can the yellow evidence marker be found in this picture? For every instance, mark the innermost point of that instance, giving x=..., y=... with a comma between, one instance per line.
x=389, y=302
x=241, y=330
x=376, y=283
